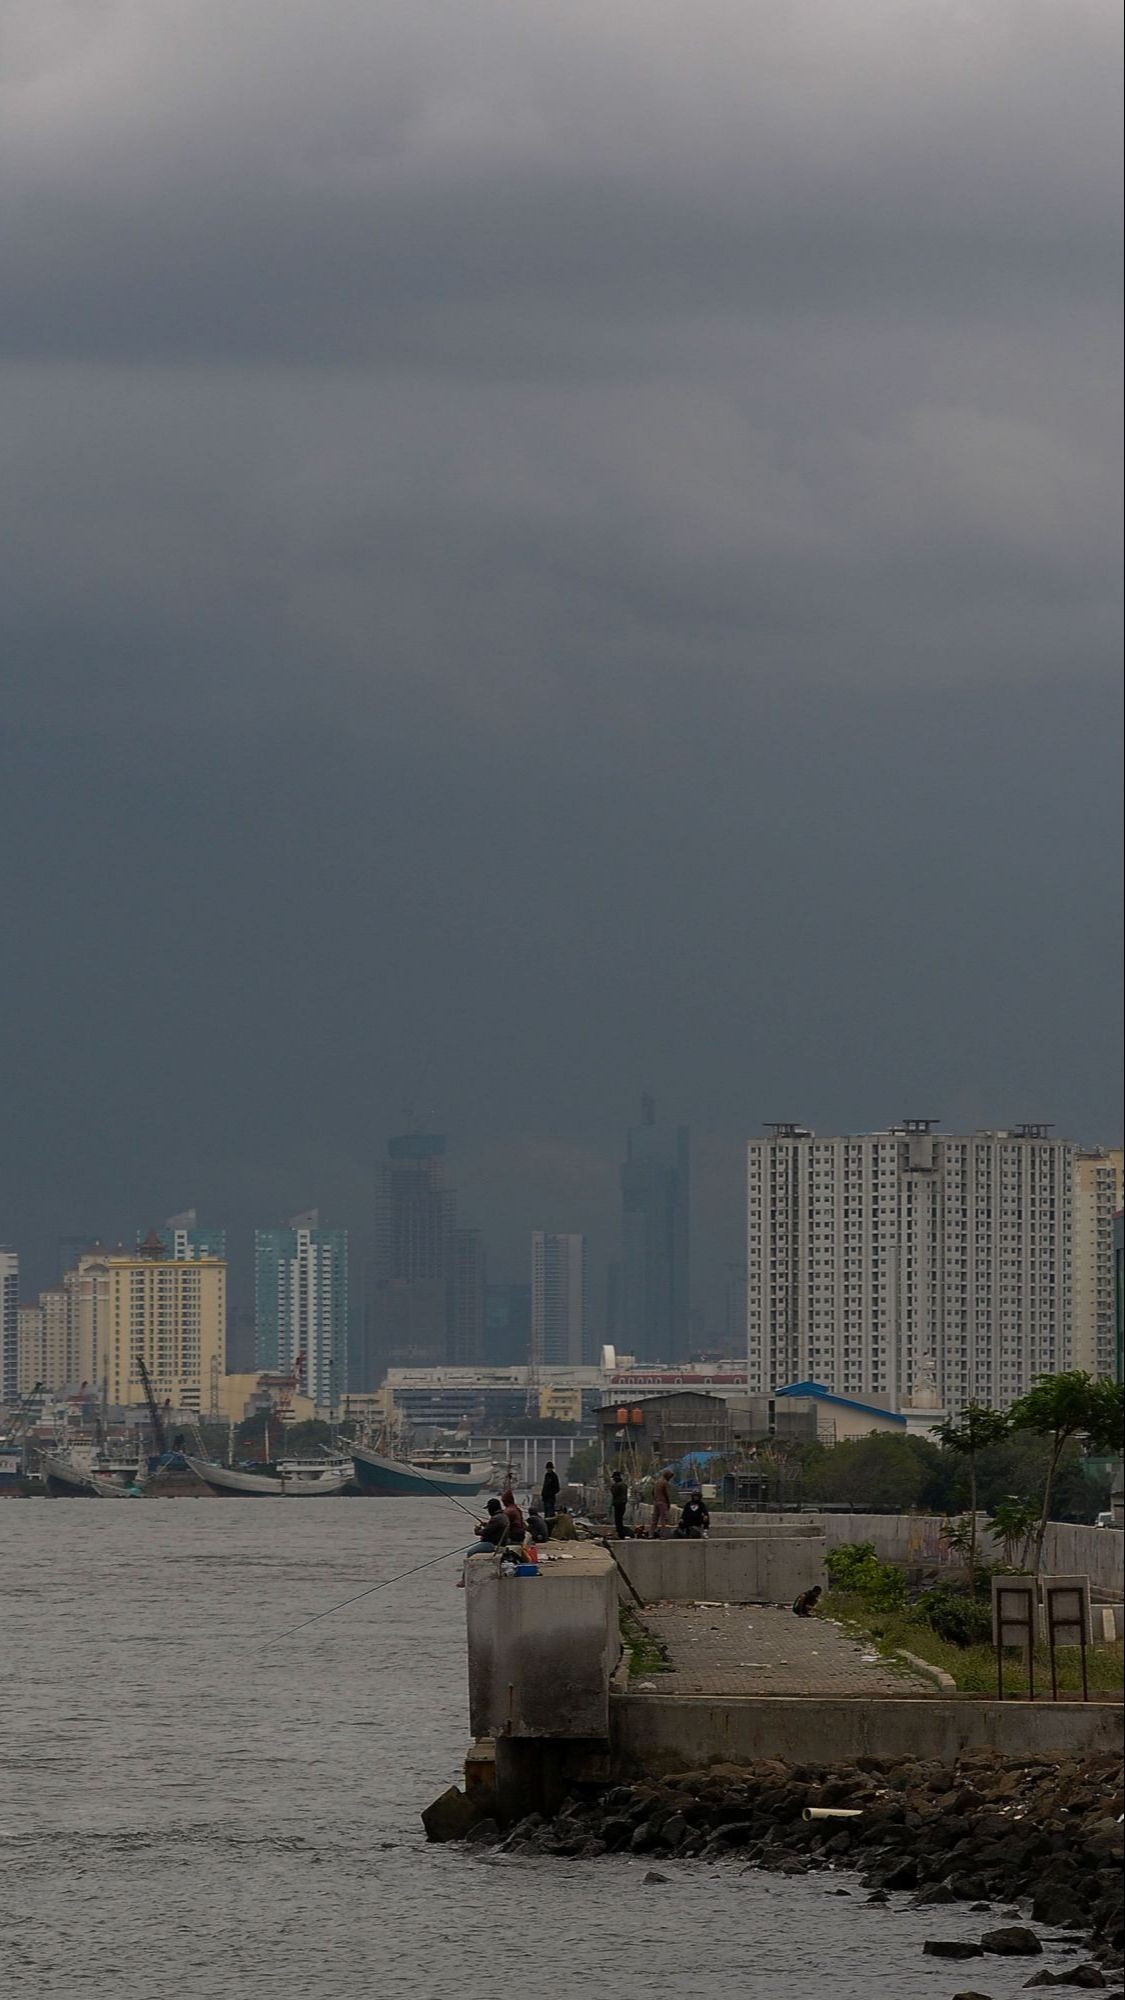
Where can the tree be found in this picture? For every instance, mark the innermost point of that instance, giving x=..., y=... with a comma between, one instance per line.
x=979, y=1427
x=939, y=1494
x=1062, y=1407
x=877, y=1471
x=1013, y=1523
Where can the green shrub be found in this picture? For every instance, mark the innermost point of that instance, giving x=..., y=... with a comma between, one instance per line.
x=955, y=1616
x=855, y=1567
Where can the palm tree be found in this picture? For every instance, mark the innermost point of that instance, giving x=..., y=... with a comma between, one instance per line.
x=1060, y=1407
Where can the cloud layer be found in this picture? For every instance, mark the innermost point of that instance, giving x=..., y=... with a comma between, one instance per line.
x=557, y=548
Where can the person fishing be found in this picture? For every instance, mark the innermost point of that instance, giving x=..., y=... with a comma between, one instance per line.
x=805, y=1605
x=694, y=1519
x=492, y=1532
x=517, y=1526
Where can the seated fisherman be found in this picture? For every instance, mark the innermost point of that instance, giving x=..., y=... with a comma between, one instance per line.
x=492, y=1532
x=694, y=1519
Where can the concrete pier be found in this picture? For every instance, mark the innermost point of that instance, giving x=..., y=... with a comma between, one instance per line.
x=542, y=1648
x=551, y=1704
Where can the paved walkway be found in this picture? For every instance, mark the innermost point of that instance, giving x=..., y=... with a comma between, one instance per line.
x=760, y=1649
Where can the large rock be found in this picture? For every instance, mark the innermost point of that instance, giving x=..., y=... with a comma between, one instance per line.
x=1012, y=1941
x=952, y=1948
x=451, y=1816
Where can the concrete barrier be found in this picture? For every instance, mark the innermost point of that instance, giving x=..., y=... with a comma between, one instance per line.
x=1098, y=1553
x=542, y=1648
x=752, y=1569
x=651, y=1735
x=1070, y=1547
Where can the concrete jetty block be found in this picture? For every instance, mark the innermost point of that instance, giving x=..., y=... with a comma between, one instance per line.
x=542, y=1649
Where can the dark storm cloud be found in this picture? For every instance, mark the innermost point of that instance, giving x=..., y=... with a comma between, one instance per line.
x=549, y=548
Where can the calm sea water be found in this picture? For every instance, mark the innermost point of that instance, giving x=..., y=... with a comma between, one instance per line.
x=198, y=1801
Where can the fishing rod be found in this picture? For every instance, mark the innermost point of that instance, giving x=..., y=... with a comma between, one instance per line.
x=382, y=1585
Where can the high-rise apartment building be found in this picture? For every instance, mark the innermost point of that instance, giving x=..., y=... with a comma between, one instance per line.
x=184, y=1239
x=9, y=1325
x=301, y=1304
x=87, y=1303
x=910, y=1267
x=558, y=1299
x=44, y=1345
x=119, y=1304
x=655, y=1294
x=410, y=1304
x=1098, y=1184
x=30, y=1350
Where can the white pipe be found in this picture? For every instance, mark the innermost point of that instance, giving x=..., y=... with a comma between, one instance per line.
x=832, y=1812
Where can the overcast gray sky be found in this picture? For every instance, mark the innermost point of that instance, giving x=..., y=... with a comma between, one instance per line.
x=549, y=549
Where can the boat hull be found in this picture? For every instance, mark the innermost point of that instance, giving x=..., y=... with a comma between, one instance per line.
x=67, y=1481
x=394, y=1478
x=231, y=1484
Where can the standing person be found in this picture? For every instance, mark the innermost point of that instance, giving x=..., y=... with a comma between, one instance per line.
x=618, y=1500
x=662, y=1502
x=551, y=1484
x=517, y=1526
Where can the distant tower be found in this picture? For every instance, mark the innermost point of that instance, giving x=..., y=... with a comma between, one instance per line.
x=410, y=1306
x=301, y=1303
x=9, y=1325
x=185, y=1238
x=558, y=1301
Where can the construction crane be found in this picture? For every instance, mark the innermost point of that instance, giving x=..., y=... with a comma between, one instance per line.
x=159, y=1434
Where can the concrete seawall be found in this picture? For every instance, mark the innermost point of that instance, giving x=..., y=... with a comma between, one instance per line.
x=653, y=1735
x=1071, y=1548
x=761, y=1568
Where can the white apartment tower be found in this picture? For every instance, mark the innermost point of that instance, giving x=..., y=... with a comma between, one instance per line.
x=558, y=1299
x=9, y=1325
x=909, y=1267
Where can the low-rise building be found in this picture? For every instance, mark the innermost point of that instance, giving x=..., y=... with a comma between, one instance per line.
x=489, y=1401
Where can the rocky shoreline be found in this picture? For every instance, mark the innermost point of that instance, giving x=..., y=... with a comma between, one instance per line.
x=988, y=1831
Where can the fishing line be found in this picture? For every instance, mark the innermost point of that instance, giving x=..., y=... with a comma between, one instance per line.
x=387, y=1580
x=472, y=1512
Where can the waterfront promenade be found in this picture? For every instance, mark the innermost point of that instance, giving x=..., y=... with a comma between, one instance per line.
x=754, y=1649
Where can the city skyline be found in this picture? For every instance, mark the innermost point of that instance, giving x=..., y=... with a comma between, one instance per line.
x=462, y=1303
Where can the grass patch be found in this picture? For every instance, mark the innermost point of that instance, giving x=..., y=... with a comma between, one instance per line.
x=646, y=1654
x=974, y=1667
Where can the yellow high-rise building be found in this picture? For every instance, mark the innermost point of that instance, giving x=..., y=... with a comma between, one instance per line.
x=1098, y=1182
x=170, y=1313
x=44, y=1348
